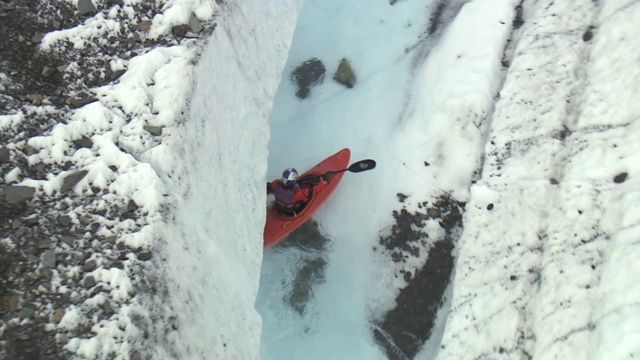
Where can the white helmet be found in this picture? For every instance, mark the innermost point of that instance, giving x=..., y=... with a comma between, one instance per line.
x=290, y=176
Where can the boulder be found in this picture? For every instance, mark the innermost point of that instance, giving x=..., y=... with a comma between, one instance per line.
x=308, y=74
x=345, y=74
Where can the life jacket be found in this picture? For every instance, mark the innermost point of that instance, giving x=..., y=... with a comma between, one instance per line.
x=288, y=199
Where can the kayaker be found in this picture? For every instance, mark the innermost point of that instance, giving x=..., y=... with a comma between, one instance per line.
x=292, y=195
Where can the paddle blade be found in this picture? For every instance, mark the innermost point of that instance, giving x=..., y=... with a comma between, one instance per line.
x=362, y=165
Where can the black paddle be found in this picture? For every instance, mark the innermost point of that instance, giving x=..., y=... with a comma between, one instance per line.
x=356, y=167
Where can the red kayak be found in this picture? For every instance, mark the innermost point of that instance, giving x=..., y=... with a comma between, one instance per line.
x=278, y=226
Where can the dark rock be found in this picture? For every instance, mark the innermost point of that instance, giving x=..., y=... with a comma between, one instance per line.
x=44, y=244
x=35, y=98
x=31, y=220
x=180, y=30
x=20, y=232
x=345, y=74
x=107, y=308
x=5, y=155
x=90, y=266
x=132, y=206
x=144, y=256
x=71, y=180
x=41, y=168
x=78, y=103
x=14, y=303
x=57, y=100
x=67, y=239
x=28, y=311
x=588, y=34
x=48, y=259
x=553, y=181
x=94, y=227
x=84, y=142
x=89, y=282
x=117, y=74
x=620, y=178
x=18, y=194
x=86, y=7
x=115, y=2
x=48, y=71
x=153, y=130
x=37, y=37
x=144, y=25
x=30, y=150
x=64, y=220
x=46, y=274
x=194, y=24
x=310, y=73
x=113, y=168
x=32, y=277
x=57, y=316
x=84, y=219
x=110, y=239
x=490, y=207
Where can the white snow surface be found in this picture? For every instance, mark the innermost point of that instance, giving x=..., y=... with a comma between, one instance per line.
x=547, y=263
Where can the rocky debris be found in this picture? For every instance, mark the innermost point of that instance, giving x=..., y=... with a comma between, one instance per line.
x=307, y=75
x=72, y=180
x=404, y=329
x=18, y=194
x=59, y=236
x=345, y=74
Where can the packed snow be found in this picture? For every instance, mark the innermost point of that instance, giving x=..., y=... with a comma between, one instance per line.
x=527, y=111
